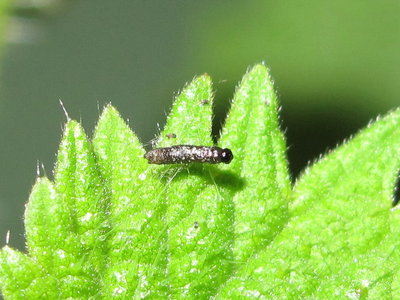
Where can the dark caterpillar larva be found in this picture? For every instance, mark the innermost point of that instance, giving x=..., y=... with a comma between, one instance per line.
x=181, y=154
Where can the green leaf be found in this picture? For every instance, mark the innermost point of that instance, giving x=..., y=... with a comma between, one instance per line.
x=190, y=121
x=113, y=226
x=252, y=133
x=49, y=227
x=79, y=185
x=209, y=230
x=22, y=278
x=191, y=116
x=65, y=225
x=342, y=236
x=196, y=215
x=137, y=239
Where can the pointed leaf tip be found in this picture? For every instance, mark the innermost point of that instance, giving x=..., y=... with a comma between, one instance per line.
x=16, y=272
x=134, y=212
x=23, y=278
x=42, y=180
x=261, y=68
x=191, y=115
x=108, y=110
x=257, y=71
x=47, y=224
x=72, y=126
x=252, y=133
x=115, y=143
x=204, y=77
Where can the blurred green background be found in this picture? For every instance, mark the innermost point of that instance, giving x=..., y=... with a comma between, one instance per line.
x=335, y=65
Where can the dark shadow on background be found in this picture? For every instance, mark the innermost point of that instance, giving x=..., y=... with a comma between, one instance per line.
x=396, y=192
x=310, y=131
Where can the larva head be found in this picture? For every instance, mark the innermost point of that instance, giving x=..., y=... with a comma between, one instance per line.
x=152, y=157
x=226, y=156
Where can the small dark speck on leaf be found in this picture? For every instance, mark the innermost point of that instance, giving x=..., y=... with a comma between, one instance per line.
x=171, y=135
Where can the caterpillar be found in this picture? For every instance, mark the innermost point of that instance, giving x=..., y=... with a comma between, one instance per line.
x=181, y=154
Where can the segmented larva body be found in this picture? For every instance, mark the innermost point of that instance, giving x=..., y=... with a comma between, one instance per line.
x=181, y=154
